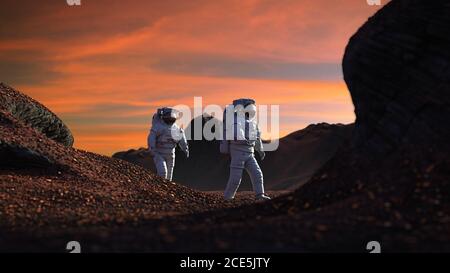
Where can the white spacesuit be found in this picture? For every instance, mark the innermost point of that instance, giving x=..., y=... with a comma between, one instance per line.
x=242, y=145
x=164, y=136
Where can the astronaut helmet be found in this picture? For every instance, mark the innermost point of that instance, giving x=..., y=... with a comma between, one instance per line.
x=247, y=107
x=168, y=115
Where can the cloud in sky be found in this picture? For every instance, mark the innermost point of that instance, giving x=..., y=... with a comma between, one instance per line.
x=106, y=66
x=217, y=66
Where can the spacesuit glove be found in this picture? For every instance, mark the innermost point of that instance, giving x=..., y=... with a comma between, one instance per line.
x=262, y=154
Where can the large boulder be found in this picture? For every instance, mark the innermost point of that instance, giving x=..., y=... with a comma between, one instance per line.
x=34, y=114
x=397, y=68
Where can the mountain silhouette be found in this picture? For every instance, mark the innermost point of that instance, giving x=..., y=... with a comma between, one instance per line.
x=298, y=157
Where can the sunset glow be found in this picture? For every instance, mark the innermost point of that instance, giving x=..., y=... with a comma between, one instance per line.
x=105, y=66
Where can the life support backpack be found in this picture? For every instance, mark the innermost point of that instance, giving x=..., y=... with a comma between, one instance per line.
x=225, y=142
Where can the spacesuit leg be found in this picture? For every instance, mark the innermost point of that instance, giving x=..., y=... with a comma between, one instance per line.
x=256, y=175
x=236, y=168
x=170, y=162
x=161, y=166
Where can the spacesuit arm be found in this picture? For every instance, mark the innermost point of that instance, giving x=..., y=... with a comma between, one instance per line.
x=151, y=139
x=259, y=145
x=183, y=144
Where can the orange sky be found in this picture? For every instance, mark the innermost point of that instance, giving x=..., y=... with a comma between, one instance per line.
x=104, y=67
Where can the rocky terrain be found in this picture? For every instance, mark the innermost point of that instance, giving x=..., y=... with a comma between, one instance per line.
x=46, y=183
x=208, y=170
x=390, y=183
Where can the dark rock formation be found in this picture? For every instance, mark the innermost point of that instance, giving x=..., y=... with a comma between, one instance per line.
x=397, y=68
x=207, y=169
x=14, y=156
x=34, y=114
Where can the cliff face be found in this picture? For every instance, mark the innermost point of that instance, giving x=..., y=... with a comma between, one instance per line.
x=397, y=70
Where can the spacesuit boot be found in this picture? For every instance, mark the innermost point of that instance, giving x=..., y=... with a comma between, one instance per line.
x=262, y=197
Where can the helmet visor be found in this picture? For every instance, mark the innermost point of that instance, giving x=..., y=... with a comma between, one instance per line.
x=250, y=112
x=169, y=119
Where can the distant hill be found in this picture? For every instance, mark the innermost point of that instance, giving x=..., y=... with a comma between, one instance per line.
x=298, y=157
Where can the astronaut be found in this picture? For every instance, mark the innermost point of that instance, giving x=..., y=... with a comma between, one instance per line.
x=241, y=143
x=164, y=136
